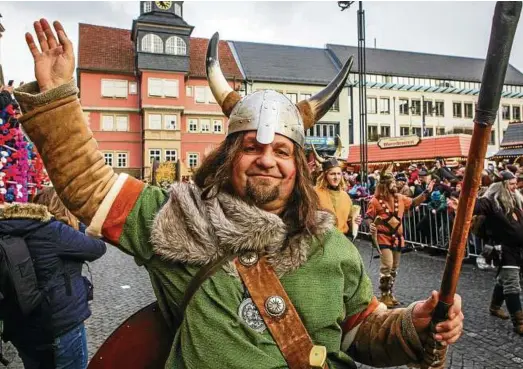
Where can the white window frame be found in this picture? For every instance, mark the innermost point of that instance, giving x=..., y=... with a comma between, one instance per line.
x=120, y=156
x=199, y=94
x=382, y=101
x=157, y=123
x=133, y=88
x=167, y=119
x=152, y=43
x=118, y=121
x=372, y=105
x=191, y=121
x=106, y=126
x=178, y=9
x=292, y=96
x=217, y=123
x=114, y=88
x=155, y=153
x=193, y=156
x=169, y=155
x=175, y=46
x=205, y=125
x=161, y=87
x=147, y=6
x=109, y=158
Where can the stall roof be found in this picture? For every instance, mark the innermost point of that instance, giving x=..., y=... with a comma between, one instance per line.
x=513, y=135
x=450, y=146
x=508, y=153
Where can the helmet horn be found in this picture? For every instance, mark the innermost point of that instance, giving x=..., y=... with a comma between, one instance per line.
x=337, y=153
x=225, y=96
x=319, y=159
x=314, y=108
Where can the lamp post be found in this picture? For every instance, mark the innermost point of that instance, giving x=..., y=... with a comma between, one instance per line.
x=362, y=88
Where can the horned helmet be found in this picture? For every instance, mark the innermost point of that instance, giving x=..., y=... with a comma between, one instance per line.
x=329, y=161
x=266, y=111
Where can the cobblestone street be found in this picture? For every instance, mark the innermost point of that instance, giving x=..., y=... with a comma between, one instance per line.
x=121, y=288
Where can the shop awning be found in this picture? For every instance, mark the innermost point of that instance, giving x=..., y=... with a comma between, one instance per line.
x=448, y=147
x=506, y=153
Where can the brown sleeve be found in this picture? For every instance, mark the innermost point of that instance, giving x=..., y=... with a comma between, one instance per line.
x=54, y=121
x=387, y=338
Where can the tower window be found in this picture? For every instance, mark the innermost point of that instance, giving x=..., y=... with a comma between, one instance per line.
x=147, y=6
x=175, y=46
x=152, y=43
x=178, y=9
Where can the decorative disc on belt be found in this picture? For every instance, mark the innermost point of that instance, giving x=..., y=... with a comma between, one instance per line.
x=248, y=258
x=249, y=313
x=275, y=306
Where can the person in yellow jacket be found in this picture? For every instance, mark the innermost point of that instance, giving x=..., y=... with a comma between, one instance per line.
x=330, y=189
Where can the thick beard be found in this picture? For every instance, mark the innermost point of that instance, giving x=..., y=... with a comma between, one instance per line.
x=261, y=194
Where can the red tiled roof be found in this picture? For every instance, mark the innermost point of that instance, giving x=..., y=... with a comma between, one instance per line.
x=105, y=48
x=198, y=51
x=452, y=146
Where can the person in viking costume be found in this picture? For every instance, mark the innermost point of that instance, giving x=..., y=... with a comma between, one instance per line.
x=502, y=207
x=385, y=213
x=247, y=271
x=330, y=190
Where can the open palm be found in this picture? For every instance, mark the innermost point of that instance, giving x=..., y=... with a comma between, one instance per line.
x=54, y=61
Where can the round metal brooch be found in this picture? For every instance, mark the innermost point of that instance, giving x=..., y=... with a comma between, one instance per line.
x=248, y=258
x=249, y=313
x=275, y=306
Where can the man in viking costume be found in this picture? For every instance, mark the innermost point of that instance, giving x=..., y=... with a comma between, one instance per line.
x=281, y=286
x=385, y=213
x=502, y=206
x=330, y=190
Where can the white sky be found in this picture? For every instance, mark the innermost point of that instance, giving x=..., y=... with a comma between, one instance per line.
x=451, y=28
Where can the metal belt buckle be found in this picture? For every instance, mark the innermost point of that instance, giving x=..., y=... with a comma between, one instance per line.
x=318, y=356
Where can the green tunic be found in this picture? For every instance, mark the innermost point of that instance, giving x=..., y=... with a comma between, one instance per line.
x=328, y=288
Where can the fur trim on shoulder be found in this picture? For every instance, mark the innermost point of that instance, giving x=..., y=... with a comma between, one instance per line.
x=25, y=211
x=190, y=230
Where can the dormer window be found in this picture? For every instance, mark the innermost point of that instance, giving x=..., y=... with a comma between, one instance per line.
x=175, y=46
x=152, y=43
x=178, y=10
x=147, y=6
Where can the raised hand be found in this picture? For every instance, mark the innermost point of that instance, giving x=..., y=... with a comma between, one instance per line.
x=54, y=61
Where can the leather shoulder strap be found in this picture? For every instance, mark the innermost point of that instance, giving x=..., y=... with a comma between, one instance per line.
x=280, y=315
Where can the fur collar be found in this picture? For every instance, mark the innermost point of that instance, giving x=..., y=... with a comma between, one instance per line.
x=25, y=211
x=192, y=231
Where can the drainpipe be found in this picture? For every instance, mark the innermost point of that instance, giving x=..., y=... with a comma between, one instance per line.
x=394, y=108
x=351, y=114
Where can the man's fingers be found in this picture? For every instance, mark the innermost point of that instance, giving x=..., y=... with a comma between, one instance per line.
x=450, y=336
x=62, y=37
x=450, y=324
x=40, y=35
x=32, y=46
x=51, y=39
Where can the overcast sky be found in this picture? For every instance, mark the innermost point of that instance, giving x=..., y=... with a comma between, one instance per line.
x=451, y=28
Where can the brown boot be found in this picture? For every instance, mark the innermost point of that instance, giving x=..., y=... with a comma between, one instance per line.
x=387, y=300
x=385, y=284
x=392, y=281
x=497, y=301
x=497, y=311
x=517, y=320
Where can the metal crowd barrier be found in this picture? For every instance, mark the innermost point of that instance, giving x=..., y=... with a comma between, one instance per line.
x=422, y=228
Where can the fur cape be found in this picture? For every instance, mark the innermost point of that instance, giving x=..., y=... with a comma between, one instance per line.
x=194, y=231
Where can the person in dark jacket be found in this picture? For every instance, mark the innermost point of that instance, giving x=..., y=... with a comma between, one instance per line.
x=502, y=206
x=53, y=335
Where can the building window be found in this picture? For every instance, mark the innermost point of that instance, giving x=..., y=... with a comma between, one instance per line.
x=107, y=122
x=384, y=105
x=171, y=155
x=429, y=132
x=416, y=107
x=178, y=10
x=293, y=97
x=175, y=46
x=147, y=7
x=372, y=133
x=372, y=105
x=114, y=88
x=122, y=123
x=385, y=131
x=403, y=106
x=108, y=156
x=404, y=131
x=217, y=126
x=440, y=108
x=464, y=131
x=305, y=96
x=152, y=43
x=193, y=125
x=456, y=110
x=505, y=112
x=199, y=94
x=469, y=110
x=155, y=121
x=193, y=160
x=169, y=121
x=516, y=113
x=492, y=138
x=121, y=160
x=155, y=154
x=428, y=108
x=205, y=125
x=416, y=131
x=336, y=105
x=162, y=87
x=133, y=88
x=440, y=131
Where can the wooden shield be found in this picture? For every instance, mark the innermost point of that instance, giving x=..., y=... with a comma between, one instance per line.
x=143, y=341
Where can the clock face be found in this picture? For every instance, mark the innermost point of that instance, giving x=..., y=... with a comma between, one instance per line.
x=164, y=5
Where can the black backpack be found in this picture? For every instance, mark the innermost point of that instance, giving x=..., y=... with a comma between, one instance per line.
x=19, y=291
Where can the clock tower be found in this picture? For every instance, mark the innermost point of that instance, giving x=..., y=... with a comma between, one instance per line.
x=161, y=37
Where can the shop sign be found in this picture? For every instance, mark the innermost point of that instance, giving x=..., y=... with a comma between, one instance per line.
x=394, y=142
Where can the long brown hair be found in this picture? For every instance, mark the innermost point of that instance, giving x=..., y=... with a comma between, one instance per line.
x=322, y=181
x=214, y=175
x=49, y=198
